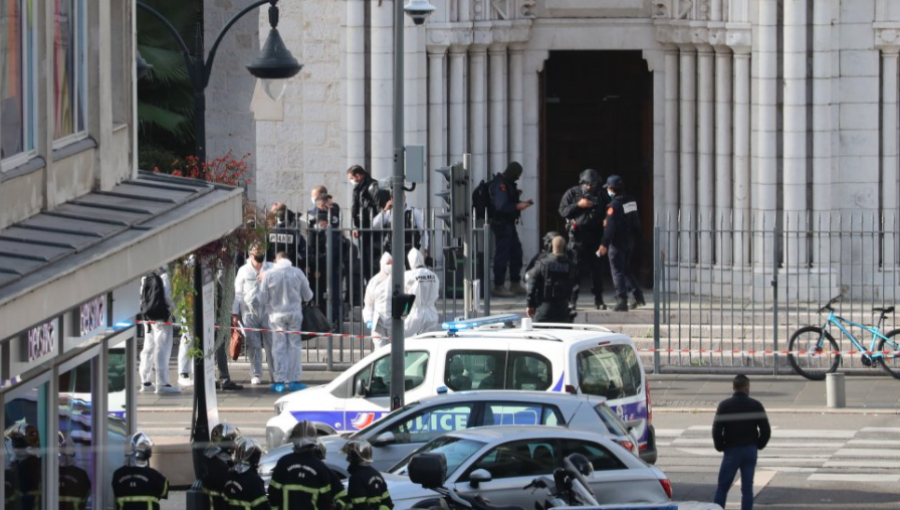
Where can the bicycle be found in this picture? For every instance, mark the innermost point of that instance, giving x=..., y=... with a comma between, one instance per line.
x=806, y=346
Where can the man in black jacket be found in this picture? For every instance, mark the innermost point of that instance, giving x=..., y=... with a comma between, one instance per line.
x=740, y=430
x=584, y=208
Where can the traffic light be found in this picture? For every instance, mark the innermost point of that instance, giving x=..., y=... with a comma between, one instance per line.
x=458, y=199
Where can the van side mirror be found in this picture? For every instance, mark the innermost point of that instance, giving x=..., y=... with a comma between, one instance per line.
x=384, y=439
x=478, y=477
x=361, y=390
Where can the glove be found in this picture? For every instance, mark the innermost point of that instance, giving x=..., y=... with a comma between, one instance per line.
x=368, y=324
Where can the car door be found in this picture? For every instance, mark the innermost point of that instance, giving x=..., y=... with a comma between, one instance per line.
x=418, y=428
x=613, y=481
x=512, y=466
x=362, y=411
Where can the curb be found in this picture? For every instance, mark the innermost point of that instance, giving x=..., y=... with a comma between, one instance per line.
x=268, y=409
x=785, y=410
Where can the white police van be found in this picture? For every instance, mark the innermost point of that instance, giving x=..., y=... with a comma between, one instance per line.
x=482, y=354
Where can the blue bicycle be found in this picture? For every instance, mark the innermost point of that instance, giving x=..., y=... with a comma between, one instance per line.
x=812, y=348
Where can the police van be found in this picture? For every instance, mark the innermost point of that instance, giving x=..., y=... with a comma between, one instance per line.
x=489, y=353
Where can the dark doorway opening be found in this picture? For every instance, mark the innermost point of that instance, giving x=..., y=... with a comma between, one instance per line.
x=597, y=112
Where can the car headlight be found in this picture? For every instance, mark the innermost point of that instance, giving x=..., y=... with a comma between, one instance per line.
x=279, y=406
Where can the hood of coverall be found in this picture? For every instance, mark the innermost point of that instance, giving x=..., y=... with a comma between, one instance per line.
x=385, y=264
x=415, y=258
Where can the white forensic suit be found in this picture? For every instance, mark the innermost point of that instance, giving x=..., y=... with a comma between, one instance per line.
x=282, y=292
x=424, y=284
x=157, y=341
x=377, y=309
x=246, y=306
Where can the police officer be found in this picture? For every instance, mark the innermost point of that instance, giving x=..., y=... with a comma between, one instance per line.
x=550, y=285
x=300, y=481
x=320, y=280
x=507, y=208
x=366, y=488
x=338, y=492
x=223, y=440
x=138, y=486
x=546, y=249
x=368, y=200
x=26, y=464
x=74, y=482
x=583, y=208
x=244, y=488
x=285, y=236
x=622, y=225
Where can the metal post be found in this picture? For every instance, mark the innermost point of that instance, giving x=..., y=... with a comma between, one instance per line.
x=329, y=291
x=467, y=253
x=836, y=393
x=397, y=223
x=775, y=237
x=656, y=298
x=486, y=267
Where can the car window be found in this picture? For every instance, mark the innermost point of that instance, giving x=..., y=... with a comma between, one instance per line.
x=601, y=458
x=527, y=371
x=364, y=375
x=519, y=413
x=431, y=423
x=611, y=371
x=475, y=370
x=456, y=451
x=552, y=417
x=416, y=366
x=613, y=423
x=533, y=457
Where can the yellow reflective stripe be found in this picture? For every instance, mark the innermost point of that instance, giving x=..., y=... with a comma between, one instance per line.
x=71, y=499
x=137, y=499
x=273, y=483
x=379, y=499
x=358, y=500
x=308, y=490
x=165, y=491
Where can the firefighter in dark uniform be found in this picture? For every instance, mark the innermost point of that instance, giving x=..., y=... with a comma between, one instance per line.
x=507, y=208
x=550, y=285
x=621, y=227
x=338, y=492
x=366, y=488
x=584, y=207
x=244, y=488
x=138, y=486
x=11, y=494
x=74, y=482
x=223, y=441
x=368, y=201
x=300, y=481
x=26, y=464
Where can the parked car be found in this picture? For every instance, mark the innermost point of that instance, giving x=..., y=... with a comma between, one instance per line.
x=482, y=354
x=497, y=462
x=399, y=433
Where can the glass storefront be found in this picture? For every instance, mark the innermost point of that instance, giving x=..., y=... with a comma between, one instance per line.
x=25, y=423
x=77, y=441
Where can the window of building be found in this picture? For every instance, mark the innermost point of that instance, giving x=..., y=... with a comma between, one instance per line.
x=76, y=426
x=117, y=426
x=69, y=68
x=26, y=433
x=18, y=55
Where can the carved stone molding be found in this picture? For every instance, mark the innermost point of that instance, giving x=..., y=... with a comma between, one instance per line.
x=739, y=37
x=528, y=8
x=661, y=9
x=887, y=36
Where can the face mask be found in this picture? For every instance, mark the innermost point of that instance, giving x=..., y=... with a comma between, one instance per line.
x=313, y=200
x=259, y=258
x=612, y=194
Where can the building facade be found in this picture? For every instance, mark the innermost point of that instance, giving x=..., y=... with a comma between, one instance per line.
x=726, y=118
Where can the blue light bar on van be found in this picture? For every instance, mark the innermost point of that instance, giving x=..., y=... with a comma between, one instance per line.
x=454, y=326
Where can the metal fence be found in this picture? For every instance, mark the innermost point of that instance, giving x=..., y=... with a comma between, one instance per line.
x=730, y=284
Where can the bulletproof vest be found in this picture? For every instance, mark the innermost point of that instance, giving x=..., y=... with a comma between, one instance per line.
x=557, y=278
x=632, y=218
x=288, y=240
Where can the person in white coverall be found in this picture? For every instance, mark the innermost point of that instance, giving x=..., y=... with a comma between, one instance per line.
x=246, y=308
x=157, y=349
x=377, y=309
x=424, y=284
x=282, y=292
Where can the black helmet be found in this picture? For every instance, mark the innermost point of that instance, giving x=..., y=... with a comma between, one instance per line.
x=547, y=240
x=589, y=176
x=581, y=464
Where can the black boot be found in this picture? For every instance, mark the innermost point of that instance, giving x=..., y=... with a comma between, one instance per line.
x=621, y=305
x=637, y=301
x=598, y=302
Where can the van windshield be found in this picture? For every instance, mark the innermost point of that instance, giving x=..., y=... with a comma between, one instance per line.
x=610, y=371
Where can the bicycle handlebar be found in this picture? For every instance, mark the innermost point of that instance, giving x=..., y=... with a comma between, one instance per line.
x=830, y=302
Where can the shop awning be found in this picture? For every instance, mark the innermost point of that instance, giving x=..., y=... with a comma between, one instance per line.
x=58, y=259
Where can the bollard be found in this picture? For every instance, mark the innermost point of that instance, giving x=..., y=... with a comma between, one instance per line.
x=835, y=390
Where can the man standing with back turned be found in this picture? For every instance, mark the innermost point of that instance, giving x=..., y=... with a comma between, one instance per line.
x=740, y=430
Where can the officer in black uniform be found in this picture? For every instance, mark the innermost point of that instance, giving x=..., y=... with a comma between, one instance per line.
x=26, y=464
x=583, y=208
x=507, y=208
x=138, y=486
x=244, y=488
x=223, y=441
x=546, y=249
x=550, y=285
x=285, y=236
x=366, y=488
x=320, y=218
x=622, y=225
x=74, y=482
x=338, y=492
x=300, y=481
x=368, y=201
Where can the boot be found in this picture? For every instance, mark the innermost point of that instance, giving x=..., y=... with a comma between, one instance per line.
x=621, y=305
x=501, y=291
x=517, y=289
x=637, y=301
x=598, y=302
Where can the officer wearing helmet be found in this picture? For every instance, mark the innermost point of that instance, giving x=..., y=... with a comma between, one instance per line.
x=223, y=441
x=300, y=480
x=26, y=463
x=74, y=482
x=550, y=285
x=583, y=207
x=366, y=488
x=338, y=492
x=136, y=485
x=244, y=488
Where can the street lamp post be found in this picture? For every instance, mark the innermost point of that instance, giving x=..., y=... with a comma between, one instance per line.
x=274, y=63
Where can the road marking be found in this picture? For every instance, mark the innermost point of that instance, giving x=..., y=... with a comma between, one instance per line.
x=875, y=442
x=760, y=480
x=813, y=434
x=824, y=477
x=788, y=460
x=867, y=452
x=686, y=441
x=886, y=464
x=668, y=432
x=883, y=430
x=707, y=428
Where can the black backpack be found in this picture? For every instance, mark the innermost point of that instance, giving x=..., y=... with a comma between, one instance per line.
x=481, y=200
x=153, y=299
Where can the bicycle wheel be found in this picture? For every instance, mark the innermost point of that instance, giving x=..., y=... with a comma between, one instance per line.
x=813, y=364
x=890, y=362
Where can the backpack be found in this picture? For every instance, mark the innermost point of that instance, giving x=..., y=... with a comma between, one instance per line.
x=481, y=200
x=153, y=299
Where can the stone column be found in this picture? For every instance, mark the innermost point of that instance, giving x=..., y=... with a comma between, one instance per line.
x=741, y=133
x=823, y=128
x=671, y=137
x=688, y=170
x=705, y=148
x=516, y=119
x=478, y=108
x=456, y=124
x=355, y=107
x=436, y=107
x=723, y=215
x=795, y=132
x=498, y=141
x=889, y=151
x=381, y=89
x=765, y=175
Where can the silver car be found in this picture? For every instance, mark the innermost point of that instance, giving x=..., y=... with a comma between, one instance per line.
x=398, y=434
x=497, y=462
